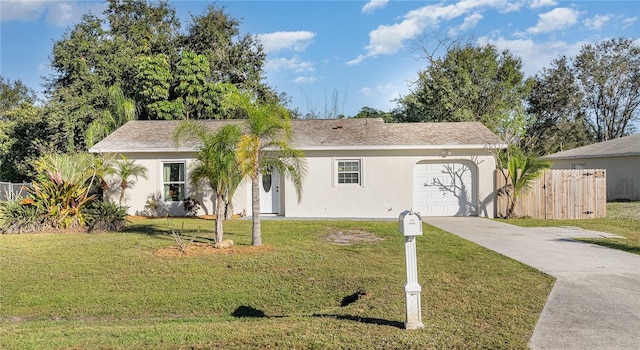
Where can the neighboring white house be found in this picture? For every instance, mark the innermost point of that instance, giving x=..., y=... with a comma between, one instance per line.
x=620, y=157
x=356, y=168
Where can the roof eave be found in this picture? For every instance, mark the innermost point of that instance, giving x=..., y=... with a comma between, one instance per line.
x=585, y=156
x=397, y=147
x=140, y=150
x=317, y=148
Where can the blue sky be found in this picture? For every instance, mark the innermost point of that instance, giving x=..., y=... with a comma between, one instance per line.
x=364, y=53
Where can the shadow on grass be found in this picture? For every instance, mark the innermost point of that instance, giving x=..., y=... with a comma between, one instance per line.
x=245, y=311
x=367, y=320
x=146, y=229
x=248, y=311
x=614, y=245
x=164, y=231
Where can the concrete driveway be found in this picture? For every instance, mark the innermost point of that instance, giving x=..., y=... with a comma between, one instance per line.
x=595, y=302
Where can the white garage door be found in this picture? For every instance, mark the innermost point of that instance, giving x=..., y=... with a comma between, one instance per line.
x=444, y=189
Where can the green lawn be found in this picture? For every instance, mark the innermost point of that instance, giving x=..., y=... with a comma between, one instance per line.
x=623, y=219
x=109, y=291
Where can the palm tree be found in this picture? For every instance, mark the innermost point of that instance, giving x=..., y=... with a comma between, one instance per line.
x=266, y=147
x=120, y=110
x=522, y=171
x=126, y=169
x=216, y=162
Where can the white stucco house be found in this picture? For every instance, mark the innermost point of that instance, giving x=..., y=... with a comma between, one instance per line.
x=620, y=157
x=357, y=168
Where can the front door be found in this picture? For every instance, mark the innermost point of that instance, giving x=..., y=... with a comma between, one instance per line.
x=270, y=193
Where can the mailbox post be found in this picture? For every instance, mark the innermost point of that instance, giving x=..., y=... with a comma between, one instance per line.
x=411, y=226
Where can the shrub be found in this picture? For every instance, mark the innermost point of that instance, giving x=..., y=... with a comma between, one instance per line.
x=191, y=206
x=19, y=217
x=62, y=200
x=106, y=216
x=152, y=205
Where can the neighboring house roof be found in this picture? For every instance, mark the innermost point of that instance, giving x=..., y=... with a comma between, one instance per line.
x=316, y=134
x=620, y=147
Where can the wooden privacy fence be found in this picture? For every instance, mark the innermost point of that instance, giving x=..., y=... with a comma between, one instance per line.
x=559, y=194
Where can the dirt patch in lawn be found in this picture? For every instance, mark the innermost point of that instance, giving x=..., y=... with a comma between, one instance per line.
x=208, y=249
x=348, y=237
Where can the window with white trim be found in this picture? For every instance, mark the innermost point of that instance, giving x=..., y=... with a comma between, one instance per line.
x=349, y=171
x=173, y=181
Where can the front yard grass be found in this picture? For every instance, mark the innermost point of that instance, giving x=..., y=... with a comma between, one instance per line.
x=110, y=291
x=623, y=219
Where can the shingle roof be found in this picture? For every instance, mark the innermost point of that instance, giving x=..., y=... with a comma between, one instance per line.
x=156, y=136
x=623, y=146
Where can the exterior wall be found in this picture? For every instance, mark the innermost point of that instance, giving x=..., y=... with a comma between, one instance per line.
x=623, y=174
x=137, y=196
x=385, y=191
x=387, y=183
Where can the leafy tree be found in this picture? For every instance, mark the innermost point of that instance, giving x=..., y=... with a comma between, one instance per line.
x=608, y=74
x=470, y=84
x=265, y=148
x=555, y=104
x=152, y=86
x=148, y=28
x=23, y=127
x=125, y=169
x=13, y=94
x=368, y=112
x=217, y=163
x=233, y=58
x=164, y=72
x=83, y=71
x=22, y=131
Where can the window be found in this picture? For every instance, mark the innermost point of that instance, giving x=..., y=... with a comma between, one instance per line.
x=173, y=181
x=349, y=172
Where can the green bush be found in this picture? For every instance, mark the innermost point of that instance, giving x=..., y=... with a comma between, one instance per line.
x=106, y=216
x=16, y=217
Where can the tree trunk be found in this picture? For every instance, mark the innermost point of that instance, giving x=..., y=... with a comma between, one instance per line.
x=228, y=206
x=121, y=196
x=219, y=218
x=255, y=210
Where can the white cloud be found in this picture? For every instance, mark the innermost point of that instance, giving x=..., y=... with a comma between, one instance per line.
x=512, y=6
x=276, y=41
x=292, y=64
x=629, y=21
x=366, y=91
x=534, y=55
x=388, y=39
x=542, y=3
x=597, y=22
x=470, y=22
x=21, y=10
x=556, y=19
x=304, y=80
x=373, y=5
x=58, y=13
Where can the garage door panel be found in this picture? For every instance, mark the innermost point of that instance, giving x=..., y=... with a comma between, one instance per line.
x=443, y=189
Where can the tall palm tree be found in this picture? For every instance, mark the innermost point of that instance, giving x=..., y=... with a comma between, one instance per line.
x=216, y=162
x=266, y=147
x=125, y=169
x=119, y=111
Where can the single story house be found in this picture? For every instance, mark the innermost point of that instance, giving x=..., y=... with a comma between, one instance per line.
x=619, y=157
x=356, y=168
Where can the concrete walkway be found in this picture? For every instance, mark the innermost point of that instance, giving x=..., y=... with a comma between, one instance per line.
x=595, y=302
